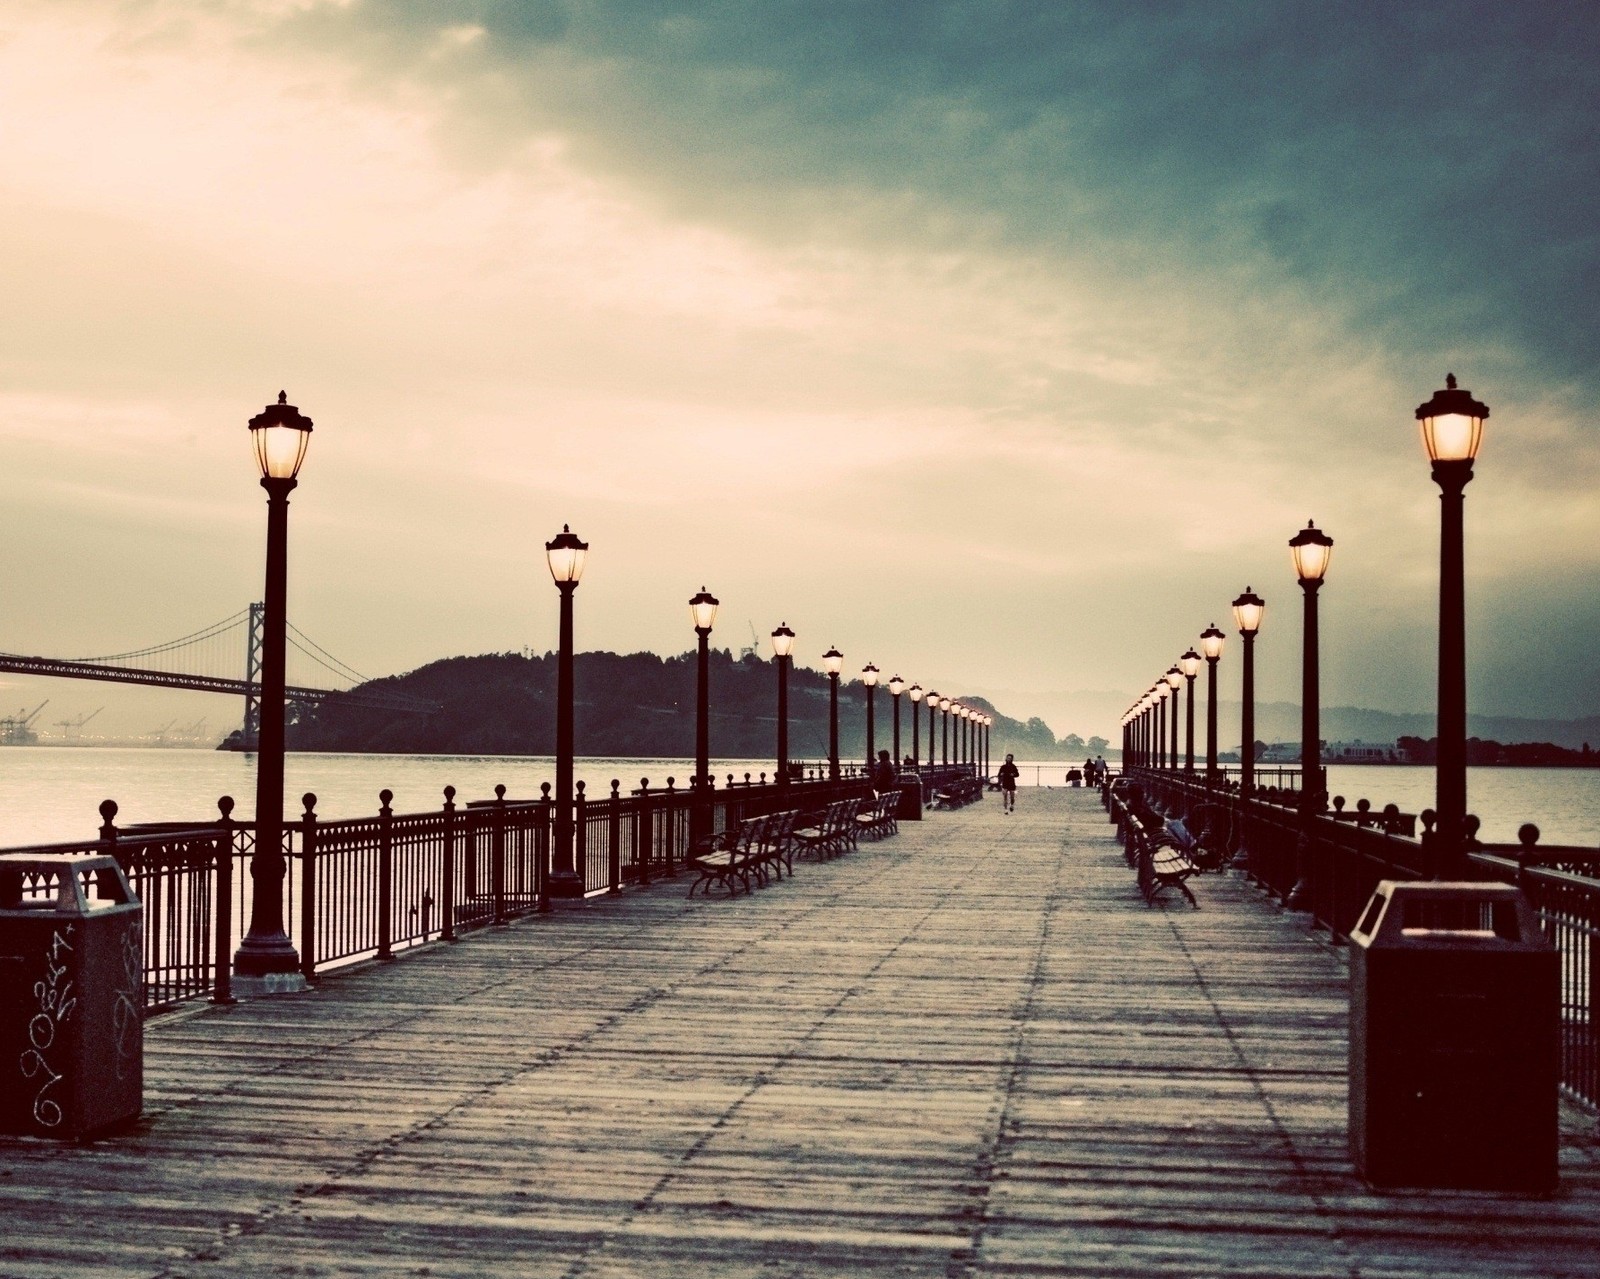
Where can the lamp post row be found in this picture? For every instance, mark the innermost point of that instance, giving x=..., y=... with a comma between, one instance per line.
x=1451, y=423
x=266, y=961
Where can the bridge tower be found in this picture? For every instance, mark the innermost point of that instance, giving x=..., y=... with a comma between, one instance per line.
x=251, y=731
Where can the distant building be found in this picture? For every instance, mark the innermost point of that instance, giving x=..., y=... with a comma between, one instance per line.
x=1360, y=752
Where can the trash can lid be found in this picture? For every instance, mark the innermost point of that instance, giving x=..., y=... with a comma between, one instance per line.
x=1403, y=915
x=31, y=883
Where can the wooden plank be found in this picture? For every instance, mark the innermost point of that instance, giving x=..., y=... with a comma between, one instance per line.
x=967, y=1049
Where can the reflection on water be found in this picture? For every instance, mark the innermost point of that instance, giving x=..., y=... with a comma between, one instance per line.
x=54, y=793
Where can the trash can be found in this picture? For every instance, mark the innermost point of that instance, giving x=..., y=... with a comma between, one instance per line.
x=71, y=996
x=1454, y=1040
x=910, y=807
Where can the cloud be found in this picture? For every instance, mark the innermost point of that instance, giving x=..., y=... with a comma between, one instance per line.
x=1086, y=307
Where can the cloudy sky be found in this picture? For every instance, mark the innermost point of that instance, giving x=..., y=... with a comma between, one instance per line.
x=999, y=343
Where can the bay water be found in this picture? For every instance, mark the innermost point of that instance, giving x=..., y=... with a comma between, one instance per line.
x=52, y=794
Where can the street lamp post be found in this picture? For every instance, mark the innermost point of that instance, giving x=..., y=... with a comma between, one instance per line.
x=915, y=694
x=703, y=613
x=933, y=707
x=1248, y=610
x=1162, y=694
x=782, y=646
x=833, y=663
x=1174, y=678
x=1311, y=549
x=1211, y=642
x=869, y=677
x=565, y=555
x=1190, y=662
x=266, y=961
x=1452, y=428
x=944, y=730
x=896, y=687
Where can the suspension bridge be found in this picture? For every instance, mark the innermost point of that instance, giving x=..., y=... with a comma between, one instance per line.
x=203, y=661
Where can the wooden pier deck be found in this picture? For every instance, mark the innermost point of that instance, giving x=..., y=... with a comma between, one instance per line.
x=967, y=1050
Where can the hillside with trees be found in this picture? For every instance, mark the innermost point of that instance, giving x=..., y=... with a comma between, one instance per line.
x=637, y=704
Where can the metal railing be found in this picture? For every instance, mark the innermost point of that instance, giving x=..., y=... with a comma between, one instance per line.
x=1342, y=855
x=372, y=887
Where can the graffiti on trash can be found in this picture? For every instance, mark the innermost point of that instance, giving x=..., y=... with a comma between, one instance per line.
x=127, y=1022
x=56, y=1002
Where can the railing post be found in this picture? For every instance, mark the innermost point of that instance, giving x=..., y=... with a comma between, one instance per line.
x=108, y=825
x=541, y=847
x=614, y=836
x=222, y=960
x=447, y=886
x=497, y=855
x=308, y=886
x=641, y=838
x=385, y=875
x=669, y=827
x=580, y=837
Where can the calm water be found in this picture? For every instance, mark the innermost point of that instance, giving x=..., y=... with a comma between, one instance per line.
x=54, y=793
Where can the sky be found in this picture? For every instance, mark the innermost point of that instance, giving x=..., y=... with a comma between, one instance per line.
x=999, y=344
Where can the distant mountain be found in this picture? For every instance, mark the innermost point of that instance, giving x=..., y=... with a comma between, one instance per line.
x=1087, y=711
x=1280, y=722
x=633, y=704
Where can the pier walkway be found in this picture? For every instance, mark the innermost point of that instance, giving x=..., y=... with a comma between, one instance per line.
x=967, y=1050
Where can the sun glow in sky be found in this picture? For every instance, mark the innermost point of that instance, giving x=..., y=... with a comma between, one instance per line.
x=1000, y=344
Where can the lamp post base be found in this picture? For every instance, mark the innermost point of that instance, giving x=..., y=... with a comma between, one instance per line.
x=564, y=884
x=266, y=985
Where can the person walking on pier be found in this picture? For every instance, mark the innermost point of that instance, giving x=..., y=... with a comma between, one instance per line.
x=1008, y=785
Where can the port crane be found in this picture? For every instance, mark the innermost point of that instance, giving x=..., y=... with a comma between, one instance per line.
x=754, y=650
x=75, y=726
x=17, y=730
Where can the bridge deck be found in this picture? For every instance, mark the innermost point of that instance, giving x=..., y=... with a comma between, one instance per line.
x=967, y=1050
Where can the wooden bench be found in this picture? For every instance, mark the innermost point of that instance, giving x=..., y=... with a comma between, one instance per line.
x=1161, y=863
x=829, y=832
x=1158, y=860
x=727, y=858
x=879, y=816
x=962, y=790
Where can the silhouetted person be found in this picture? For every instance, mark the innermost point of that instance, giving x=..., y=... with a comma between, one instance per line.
x=883, y=774
x=1008, y=775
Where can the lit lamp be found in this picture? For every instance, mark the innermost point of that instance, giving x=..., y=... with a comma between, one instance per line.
x=1310, y=550
x=1248, y=611
x=1174, y=679
x=703, y=614
x=933, y=706
x=833, y=663
x=915, y=694
x=1211, y=642
x=1189, y=663
x=896, y=687
x=266, y=962
x=1452, y=428
x=869, y=677
x=782, y=646
x=565, y=554
x=1164, y=693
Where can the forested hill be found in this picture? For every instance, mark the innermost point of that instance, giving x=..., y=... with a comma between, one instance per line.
x=638, y=704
